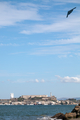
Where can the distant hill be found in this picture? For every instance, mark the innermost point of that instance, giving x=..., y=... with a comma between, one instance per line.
x=64, y=98
x=77, y=98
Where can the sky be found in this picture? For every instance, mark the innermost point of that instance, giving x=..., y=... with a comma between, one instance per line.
x=39, y=48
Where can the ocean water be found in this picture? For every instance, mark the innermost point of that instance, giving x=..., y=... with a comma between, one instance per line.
x=32, y=112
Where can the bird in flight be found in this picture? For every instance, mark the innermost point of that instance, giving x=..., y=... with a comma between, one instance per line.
x=70, y=11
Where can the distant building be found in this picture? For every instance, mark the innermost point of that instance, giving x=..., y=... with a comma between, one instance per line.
x=50, y=94
x=32, y=96
x=12, y=95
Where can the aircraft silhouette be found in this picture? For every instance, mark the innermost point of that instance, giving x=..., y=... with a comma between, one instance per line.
x=70, y=11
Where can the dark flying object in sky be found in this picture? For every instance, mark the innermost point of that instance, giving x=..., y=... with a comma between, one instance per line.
x=70, y=11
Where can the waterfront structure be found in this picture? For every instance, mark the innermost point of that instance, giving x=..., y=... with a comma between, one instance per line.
x=12, y=95
x=50, y=94
x=32, y=96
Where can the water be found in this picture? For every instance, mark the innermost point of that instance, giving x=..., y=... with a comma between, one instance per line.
x=34, y=112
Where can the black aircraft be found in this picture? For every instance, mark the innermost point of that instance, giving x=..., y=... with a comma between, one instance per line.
x=70, y=11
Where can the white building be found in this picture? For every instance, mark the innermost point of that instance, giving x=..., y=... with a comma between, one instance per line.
x=12, y=95
x=32, y=96
x=50, y=94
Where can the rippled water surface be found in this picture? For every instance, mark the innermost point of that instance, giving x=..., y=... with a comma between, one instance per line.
x=35, y=112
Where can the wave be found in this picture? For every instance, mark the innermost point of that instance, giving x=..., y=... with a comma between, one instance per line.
x=47, y=118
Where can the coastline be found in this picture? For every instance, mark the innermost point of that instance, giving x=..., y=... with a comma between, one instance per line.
x=73, y=115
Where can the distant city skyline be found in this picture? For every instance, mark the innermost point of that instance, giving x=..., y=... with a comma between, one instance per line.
x=39, y=48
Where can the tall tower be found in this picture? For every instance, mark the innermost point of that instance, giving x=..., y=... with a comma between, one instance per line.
x=12, y=95
x=50, y=94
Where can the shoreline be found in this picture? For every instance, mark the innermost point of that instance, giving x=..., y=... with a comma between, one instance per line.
x=73, y=115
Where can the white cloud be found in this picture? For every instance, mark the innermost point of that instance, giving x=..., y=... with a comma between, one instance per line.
x=68, y=79
x=9, y=44
x=78, y=54
x=68, y=25
x=67, y=1
x=62, y=56
x=6, y=74
x=58, y=42
x=59, y=50
x=60, y=1
x=42, y=80
x=18, y=81
x=61, y=47
x=36, y=80
x=17, y=53
x=25, y=81
x=11, y=14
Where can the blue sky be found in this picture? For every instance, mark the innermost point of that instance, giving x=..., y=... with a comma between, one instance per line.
x=39, y=48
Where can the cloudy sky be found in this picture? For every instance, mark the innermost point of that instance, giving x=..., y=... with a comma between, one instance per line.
x=39, y=48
